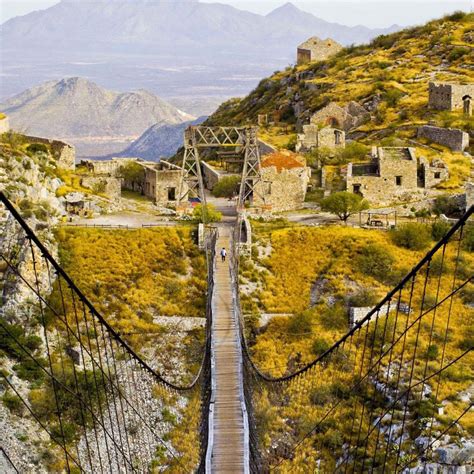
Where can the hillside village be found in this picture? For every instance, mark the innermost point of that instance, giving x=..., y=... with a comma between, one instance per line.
x=398, y=139
x=386, y=127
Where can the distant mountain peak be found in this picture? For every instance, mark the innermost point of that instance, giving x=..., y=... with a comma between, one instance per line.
x=286, y=8
x=76, y=108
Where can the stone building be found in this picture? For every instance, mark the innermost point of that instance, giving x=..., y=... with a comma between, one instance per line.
x=449, y=96
x=285, y=179
x=315, y=49
x=453, y=138
x=315, y=137
x=107, y=167
x=63, y=153
x=346, y=118
x=108, y=185
x=162, y=181
x=394, y=174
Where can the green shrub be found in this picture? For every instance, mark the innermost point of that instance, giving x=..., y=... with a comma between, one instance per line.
x=29, y=370
x=439, y=229
x=363, y=297
x=376, y=261
x=412, y=236
x=321, y=396
x=319, y=346
x=393, y=96
x=206, y=213
x=37, y=148
x=432, y=352
x=438, y=265
x=468, y=238
x=227, y=187
x=458, y=52
x=301, y=323
x=445, y=205
x=13, y=403
x=353, y=151
x=334, y=317
x=456, y=16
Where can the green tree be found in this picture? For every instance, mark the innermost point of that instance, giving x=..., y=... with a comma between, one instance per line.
x=227, y=187
x=344, y=204
x=206, y=213
x=134, y=174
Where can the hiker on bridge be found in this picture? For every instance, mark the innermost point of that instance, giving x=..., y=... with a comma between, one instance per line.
x=223, y=254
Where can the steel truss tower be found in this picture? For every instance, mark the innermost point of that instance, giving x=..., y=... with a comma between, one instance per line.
x=197, y=137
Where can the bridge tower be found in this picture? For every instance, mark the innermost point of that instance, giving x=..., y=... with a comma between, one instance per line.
x=191, y=183
x=251, y=173
x=243, y=140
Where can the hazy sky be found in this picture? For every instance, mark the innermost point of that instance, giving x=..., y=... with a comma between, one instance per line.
x=350, y=12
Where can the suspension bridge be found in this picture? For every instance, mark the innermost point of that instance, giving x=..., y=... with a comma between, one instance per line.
x=107, y=402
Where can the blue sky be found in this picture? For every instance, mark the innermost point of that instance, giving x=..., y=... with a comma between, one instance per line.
x=350, y=12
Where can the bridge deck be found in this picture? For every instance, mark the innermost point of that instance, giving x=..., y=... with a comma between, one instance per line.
x=228, y=451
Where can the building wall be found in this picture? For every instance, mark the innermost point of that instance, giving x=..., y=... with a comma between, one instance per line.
x=445, y=96
x=391, y=168
x=345, y=118
x=284, y=190
x=161, y=183
x=382, y=188
x=112, y=186
x=63, y=153
x=315, y=49
x=434, y=172
x=303, y=56
x=4, y=125
x=210, y=176
x=315, y=137
x=393, y=176
x=453, y=138
x=109, y=167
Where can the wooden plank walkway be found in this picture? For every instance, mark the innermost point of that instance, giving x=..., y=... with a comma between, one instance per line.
x=228, y=449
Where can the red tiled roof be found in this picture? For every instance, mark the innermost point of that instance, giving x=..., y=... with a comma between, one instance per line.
x=283, y=160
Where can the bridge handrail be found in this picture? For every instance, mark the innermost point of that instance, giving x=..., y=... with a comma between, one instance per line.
x=429, y=255
x=47, y=255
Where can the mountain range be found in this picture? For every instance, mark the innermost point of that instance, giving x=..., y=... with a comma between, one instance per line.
x=174, y=48
x=159, y=141
x=94, y=119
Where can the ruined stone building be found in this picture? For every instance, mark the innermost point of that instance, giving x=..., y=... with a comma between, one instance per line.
x=448, y=96
x=315, y=137
x=162, y=182
x=315, y=49
x=285, y=179
x=453, y=138
x=62, y=152
x=345, y=118
x=394, y=174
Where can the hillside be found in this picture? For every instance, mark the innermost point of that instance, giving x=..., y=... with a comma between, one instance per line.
x=159, y=141
x=389, y=77
x=172, y=48
x=84, y=113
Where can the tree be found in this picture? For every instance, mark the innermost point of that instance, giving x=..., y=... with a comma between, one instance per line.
x=206, y=213
x=344, y=204
x=134, y=175
x=227, y=187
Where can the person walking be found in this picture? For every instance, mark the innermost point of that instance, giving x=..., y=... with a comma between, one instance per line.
x=223, y=254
